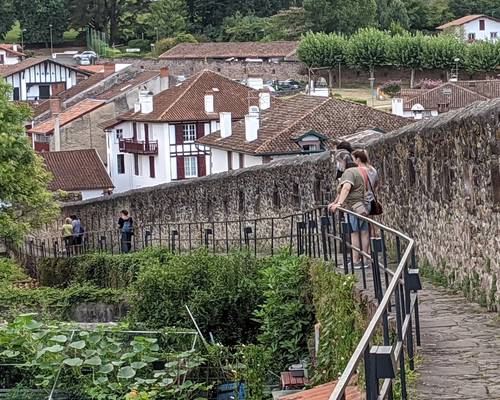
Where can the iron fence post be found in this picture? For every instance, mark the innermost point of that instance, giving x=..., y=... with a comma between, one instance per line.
x=344, y=233
x=324, y=226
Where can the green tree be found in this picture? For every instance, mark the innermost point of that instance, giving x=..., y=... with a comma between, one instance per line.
x=36, y=16
x=407, y=51
x=440, y=52
x=243, y=28
x=390, y=11
x=25, y=203
x=322, y=50
x=368, y=49
x=7, y=16
x=463, y=7
x=482, y=56
x=418, y=15
x=344, y=16
x=288, y=24
x=167, y=18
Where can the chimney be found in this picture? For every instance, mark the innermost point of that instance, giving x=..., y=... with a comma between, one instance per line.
x=251, y=127
x=109, y=68
x=57, y=134
x=55, y=105
x=14, y=47
x=209, y=102
x=226, y=128
x=146, y=101
x=164, y=78
x=264, y=100
x=137, y=107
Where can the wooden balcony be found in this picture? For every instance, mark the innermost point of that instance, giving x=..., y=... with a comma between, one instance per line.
x=138, y=146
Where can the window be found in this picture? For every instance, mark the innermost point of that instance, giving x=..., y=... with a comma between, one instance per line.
x=481, y=24
x=136, y=164
x=309, y=147
x=493, y=35
x=229, y=160
x=134, y=131
x=191, y=167
x=120, y=161
x=152, y=166
x=242, y=160
x=119, y=134
x=2, y=59
x=189, y=132
x=471, y=37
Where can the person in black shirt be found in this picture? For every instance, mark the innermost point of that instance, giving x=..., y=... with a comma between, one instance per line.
x=126, y=225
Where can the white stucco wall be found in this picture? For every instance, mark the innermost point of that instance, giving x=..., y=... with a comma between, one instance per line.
x=8, y=59
x=91, y=194
x=490, y=25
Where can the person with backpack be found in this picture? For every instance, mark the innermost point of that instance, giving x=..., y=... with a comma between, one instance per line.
x=78, y=232
x=126, y=225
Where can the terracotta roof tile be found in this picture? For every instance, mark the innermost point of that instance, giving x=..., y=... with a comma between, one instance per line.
x=84, y=85
x=464, y=20
x=76, y=170
x=92, y=68
x=489, y=88
x=123, y=87
x=68, y=115
x=9, y=49
x=186, y=101
x=454, y=96
x=289, y=119
x=7, y=70
x=231, y=49
x=323, y=392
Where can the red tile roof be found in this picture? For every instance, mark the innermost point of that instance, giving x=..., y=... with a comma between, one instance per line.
x=186, y=101
x=9, y=49
x=289, y=119
x=92, y=68
x=68, y=115
x=464, y=20
x=84, y=85
x=7, y=70
x=76, y=170
x=323, y=392
x=123, y=87
x=489, y=88
x=451, y=94
x=231, y=49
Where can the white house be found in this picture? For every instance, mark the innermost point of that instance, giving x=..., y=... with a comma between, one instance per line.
x=39, y=78
x=10, y=54
x=156, y=141
x=475, y=27
x=301, y=124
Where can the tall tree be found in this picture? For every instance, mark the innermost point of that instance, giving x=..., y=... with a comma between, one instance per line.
x=407, y=51
x=390, y=11
x=36, y=16
x=368, y=48
x=288, y=24
x=482, y=56
x=344, y=16
x=466, y=7
x=7, y=16
x=168, y=17
x=440, y=52
x=25, y=203
x=243, y=28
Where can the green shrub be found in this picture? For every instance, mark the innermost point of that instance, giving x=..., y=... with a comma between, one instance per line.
x=391, y=88
x=143, y=44
x=10, y=272
x=287, y=314
x=162, y=45
x=110, y=52
x=354, y=100
x=222, y=292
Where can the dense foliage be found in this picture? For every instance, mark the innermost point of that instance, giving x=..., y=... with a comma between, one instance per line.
x=25, y=203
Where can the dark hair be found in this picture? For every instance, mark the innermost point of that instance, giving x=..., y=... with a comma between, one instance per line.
x=345, y=146
x=361, y=155
x=124, y=212
x=73, y=217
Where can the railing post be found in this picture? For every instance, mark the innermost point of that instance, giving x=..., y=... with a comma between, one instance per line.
x=173, y=235
x=372, y=390
x=147, y=238
x=324, y=226
x=247, y=231
x=344, y=233
x=300, y=239
x=208, y=231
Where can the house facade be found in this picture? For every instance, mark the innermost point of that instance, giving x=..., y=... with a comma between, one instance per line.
x=300, y=125
x=40, y=78
x=156, y=141
x=10, y=54
x=475, y=27
x=427, y=103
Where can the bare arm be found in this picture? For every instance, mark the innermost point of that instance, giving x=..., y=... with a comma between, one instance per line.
x=346, y=188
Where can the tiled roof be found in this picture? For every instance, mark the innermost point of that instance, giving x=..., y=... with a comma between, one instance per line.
x=68, y=115
x=489, y=88
x=9, y=49
x=323, y=392
x=464, y=20
x=92, y=68
x=289, y=119
x=121, y=88
x=449, y=93
x=76, y=170
x=7, y=70
x=84, y=85
x=231, y=49
x=186, y=101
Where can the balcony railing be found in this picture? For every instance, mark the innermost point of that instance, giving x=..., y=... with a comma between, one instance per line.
x=138, y=146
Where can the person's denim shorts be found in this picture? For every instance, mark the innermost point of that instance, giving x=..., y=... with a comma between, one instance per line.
x=357, y=224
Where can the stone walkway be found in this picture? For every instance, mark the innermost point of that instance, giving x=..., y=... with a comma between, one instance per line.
x=460, y=353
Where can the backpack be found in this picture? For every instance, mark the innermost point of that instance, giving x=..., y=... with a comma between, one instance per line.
x=81, y=230
x=127, y=226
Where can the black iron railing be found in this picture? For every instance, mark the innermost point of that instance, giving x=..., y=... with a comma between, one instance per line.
x=138, y=146
x=392, y=274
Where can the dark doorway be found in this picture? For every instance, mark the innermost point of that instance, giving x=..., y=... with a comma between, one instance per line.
x=44, y=91
x=16, y=93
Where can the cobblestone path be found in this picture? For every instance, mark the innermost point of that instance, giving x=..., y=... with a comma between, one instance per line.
x=460, y=353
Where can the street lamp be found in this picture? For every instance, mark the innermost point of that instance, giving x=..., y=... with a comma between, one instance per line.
x=153, y=50
x=22, y=38
x=455, y=75
x=51, y=43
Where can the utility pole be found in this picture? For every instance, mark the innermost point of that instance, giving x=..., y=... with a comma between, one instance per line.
x=51, y=43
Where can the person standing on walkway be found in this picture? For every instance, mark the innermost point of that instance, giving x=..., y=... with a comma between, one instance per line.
x=126, y=225
x=67, y=233
x=78, y=232
x=369, y=173
x=352, y=195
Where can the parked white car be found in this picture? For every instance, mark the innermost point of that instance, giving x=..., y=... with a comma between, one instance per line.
x=86, y=58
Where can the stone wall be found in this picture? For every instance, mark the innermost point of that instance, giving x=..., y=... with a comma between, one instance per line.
x=440, y=184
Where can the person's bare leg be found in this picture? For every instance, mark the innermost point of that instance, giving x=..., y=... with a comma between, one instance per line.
x=355, y=244
x=365, y=240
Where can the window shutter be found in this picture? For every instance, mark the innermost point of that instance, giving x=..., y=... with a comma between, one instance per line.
x=200, y=130
x=180, y=167
x=134, y=130
x=202, y=166
x=179, y=135
x=152, y=173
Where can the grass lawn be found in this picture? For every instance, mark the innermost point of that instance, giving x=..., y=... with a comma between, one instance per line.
x=363, y=93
